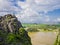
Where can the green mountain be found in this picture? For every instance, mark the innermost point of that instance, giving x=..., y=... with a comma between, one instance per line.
x=12, y=32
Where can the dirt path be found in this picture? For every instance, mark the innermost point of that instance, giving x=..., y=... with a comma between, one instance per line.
x=43, y=38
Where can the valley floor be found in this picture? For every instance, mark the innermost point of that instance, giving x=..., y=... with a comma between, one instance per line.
x=43, y=38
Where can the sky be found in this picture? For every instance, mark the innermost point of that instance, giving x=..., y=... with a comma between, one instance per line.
x=32, y=11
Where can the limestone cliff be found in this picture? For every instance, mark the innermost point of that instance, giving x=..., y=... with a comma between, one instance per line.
x=12, y=32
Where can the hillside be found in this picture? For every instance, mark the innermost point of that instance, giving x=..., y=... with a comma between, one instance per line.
x=12, y=32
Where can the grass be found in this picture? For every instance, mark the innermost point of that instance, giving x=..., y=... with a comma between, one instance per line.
x=29, y=25
x=45, y=28
x=42, y=27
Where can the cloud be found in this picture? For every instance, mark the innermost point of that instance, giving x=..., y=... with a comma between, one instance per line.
x=30, y=16
x=40, y=5
x=57, y=20
x=30, y=11
x=8, y=7
x=4, y=5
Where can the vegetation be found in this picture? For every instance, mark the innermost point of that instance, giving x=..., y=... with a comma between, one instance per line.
x=12, y=32
x=43, y=28
x=15, y=39
x=57, y=42
x=32, y=29
x=40, y=27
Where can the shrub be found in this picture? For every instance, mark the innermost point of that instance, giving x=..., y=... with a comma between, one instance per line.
x=32, y=30
x=11, y=38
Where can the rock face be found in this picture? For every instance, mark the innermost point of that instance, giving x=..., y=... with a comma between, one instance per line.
x=12, y=32
x=7, y=23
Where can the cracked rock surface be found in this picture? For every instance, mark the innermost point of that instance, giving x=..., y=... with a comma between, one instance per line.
x=12, y=32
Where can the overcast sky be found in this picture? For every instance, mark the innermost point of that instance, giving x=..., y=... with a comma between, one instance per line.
x=32, y=11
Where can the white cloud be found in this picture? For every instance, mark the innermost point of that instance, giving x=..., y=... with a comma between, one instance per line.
x=40, y=5
x=31, y=16
x=4, y=5
x=8, y=7
x=47, y=19
x=58, y=19
x=30, y=9
x=43, y=2
x=23, y=5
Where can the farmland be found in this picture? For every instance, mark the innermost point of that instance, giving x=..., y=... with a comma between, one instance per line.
x=41, y=27
x=42, y=34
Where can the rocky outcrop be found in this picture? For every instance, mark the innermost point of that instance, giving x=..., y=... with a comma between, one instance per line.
x=7, y=21
x=12, y=32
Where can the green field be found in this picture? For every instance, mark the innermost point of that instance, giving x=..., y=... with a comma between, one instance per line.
x=43, y=34
x=41, y=27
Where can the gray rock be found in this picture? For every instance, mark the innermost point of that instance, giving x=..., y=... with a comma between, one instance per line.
x=10, y=25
